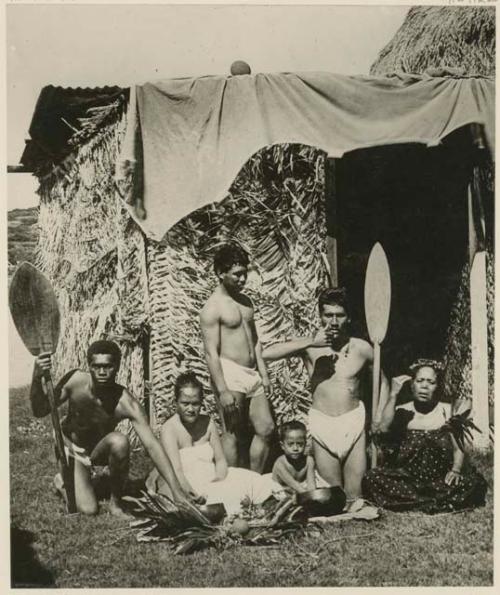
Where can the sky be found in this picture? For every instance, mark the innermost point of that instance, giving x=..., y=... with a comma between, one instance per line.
x=89, y=45
x=97, y=45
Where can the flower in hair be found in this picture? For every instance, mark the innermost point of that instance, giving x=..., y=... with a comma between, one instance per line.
x=429, y=363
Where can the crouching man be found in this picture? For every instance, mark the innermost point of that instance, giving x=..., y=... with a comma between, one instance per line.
x=96, y=404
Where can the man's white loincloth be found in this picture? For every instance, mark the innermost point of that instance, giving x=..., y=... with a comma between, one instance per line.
x=337, y=434
x=78, y=453
x=242, y=379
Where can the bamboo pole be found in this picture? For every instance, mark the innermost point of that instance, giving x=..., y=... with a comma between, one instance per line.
x=331, y=221
x=479, y=331
x=375, y=397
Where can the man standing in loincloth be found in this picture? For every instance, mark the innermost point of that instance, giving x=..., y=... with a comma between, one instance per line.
x=335, y=362
x=234, y=358
x=96, y=403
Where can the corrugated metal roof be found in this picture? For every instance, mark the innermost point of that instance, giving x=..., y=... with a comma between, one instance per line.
x=55, y=120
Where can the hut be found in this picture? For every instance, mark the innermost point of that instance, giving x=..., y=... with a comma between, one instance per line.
x=139, y=186
x=460, y=40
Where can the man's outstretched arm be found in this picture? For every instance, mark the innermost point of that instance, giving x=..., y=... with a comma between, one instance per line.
x=131, y=409
x=296, y=346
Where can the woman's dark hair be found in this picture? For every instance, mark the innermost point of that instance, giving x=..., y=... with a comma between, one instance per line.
x=289, y=426
x=187, y=379
x=427, y=363
x=104, y=348
x=333, y=296
x=227, y=256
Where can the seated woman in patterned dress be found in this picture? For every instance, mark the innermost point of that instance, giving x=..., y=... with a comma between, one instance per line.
x=425, y=466
x=192, y=442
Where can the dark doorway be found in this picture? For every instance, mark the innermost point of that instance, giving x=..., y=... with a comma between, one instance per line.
x=413, y=200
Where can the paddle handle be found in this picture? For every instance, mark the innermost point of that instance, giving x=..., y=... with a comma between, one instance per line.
x=67, y=477
x=375, y=395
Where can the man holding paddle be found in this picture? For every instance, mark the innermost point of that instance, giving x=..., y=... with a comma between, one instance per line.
x=335, y=362
x=96, y=404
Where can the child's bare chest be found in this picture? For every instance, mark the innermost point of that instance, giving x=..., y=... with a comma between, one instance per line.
x=298, y=474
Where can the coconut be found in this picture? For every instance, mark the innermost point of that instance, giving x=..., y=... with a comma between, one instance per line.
x=240, y=67
x=240, y=527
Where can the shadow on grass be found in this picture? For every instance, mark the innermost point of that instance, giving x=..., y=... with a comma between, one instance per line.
x=25, y=568
x=102, y=486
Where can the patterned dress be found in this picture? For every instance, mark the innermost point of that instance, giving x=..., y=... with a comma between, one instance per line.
x=416, y=464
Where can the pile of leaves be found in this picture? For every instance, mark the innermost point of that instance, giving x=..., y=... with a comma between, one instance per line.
x=187, y=529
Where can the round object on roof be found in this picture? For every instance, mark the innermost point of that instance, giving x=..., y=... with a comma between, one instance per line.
x=240, y=67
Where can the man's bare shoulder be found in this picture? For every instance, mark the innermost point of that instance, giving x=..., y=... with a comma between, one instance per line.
x=362, y=347
x=76, y=379
x=212, y=308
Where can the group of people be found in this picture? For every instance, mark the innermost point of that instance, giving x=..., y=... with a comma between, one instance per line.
x=426, y=470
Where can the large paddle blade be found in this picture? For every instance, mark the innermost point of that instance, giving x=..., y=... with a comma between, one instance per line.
x=34, y=309
x=377, y=294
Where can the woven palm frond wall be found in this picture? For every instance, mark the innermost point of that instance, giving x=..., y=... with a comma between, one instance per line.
x=275, y=210
x=94, y=256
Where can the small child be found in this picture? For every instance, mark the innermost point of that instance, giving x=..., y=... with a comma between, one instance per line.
x=294, y=469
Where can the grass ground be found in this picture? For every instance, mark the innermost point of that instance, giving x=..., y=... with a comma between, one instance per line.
x=50, y=548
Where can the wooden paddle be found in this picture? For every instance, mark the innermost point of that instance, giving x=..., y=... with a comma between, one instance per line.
x=377, y=310
x=34, y=309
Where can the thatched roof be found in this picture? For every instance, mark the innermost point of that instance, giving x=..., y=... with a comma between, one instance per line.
x=441, y=37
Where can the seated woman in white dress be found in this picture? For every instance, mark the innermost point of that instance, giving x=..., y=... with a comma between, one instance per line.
x=192, y=443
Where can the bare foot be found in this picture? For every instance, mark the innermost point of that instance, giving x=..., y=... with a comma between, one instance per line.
x=180, y=496
x=355, y=505
x=116, y=510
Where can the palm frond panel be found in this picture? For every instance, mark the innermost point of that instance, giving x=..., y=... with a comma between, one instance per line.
x=275, y=210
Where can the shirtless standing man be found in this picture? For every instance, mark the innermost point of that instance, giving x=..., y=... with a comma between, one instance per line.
x=95, y=406
x=335, y=363
x=234, y=357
